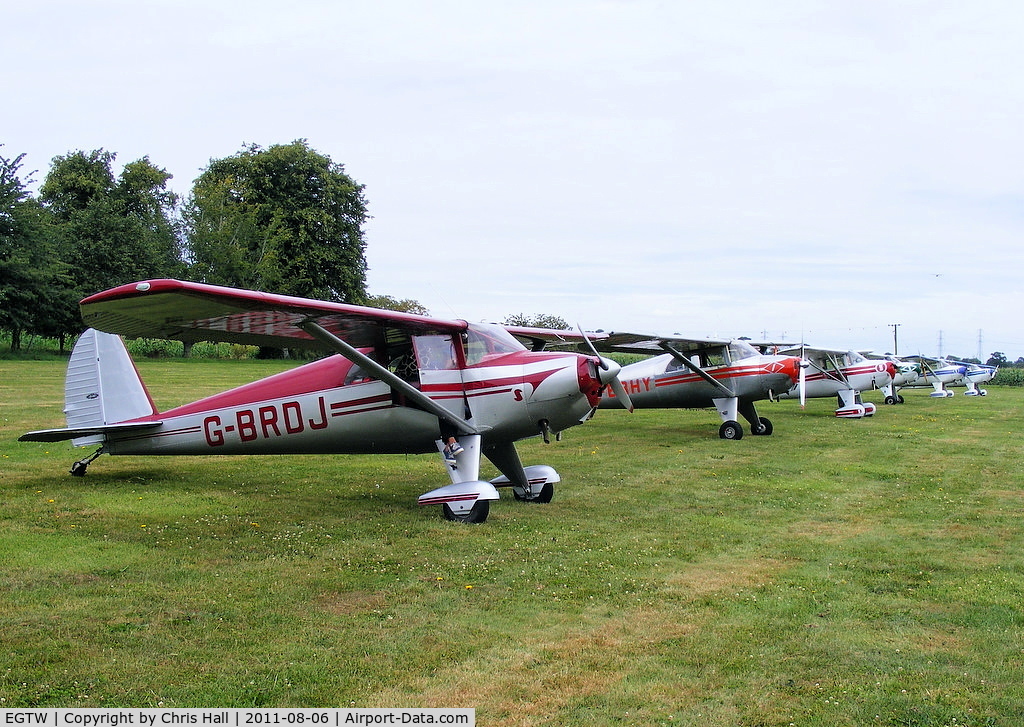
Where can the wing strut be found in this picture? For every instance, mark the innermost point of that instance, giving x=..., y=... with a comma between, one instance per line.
x=697, y=369
x=395, y=382
x=839, y=375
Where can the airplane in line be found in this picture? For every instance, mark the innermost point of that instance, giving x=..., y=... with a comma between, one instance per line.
x=398, y=383
x=941, y=373
x=937, y=373
x=843, y=374
x=977, y=374
x=905, y=375
x=729, y=375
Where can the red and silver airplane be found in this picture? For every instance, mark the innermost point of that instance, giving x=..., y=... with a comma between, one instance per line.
x=400, y=383
x=698, y=373
x=830, y=372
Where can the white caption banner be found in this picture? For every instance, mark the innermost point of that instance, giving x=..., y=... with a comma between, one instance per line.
x=122, y=717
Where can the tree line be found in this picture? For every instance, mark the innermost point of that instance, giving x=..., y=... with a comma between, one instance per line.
x=285, y=218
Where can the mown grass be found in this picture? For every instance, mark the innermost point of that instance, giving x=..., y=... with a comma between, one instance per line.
x=836, y=573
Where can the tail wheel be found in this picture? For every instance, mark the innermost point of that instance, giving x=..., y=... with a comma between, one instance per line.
x=730, y=430
x=478, y=514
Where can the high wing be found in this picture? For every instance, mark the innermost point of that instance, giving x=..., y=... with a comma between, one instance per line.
x=184, y=311
x=643, y=343
x=539, y=339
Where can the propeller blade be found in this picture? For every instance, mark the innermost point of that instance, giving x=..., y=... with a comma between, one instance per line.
x=804, y=363
x=620, y=390
x=803, y=379
x=593, y=350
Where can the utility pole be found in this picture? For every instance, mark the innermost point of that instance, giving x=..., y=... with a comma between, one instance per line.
x=895, y=342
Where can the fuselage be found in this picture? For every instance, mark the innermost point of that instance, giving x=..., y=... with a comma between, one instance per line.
x=979, y=373
x=330, y=406
x=941, y=373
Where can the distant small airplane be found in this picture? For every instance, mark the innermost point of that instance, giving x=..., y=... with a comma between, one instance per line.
x=401, y=383
x=697, y=373
x=977, y=374
x=843, y=374
x=937, y=373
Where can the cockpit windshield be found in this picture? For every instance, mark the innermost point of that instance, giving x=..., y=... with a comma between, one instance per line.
x=486, y=340
x=741, y=349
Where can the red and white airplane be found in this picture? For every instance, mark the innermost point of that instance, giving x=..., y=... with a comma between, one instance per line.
x=697, y=373
x=400, y=383
x=842, y=374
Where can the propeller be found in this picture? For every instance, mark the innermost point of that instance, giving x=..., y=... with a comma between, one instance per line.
x=609, y=372
x=804, y=363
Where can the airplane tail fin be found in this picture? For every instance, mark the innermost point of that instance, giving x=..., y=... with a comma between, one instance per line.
x=102, y=393
x=102, y=385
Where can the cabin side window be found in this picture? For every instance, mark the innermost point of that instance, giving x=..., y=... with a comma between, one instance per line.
x=436, y=352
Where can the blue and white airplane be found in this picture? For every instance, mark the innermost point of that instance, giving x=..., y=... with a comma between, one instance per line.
x=938, y=373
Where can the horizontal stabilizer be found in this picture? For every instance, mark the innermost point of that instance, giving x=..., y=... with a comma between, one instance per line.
x=59, y=435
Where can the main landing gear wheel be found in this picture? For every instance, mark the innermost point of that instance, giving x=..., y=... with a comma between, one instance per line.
x=477, y=514
x=890, y=400
x=543, y=497
x=763, y=428
x=730, y=430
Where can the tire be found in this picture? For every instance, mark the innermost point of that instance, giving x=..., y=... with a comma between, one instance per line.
x=730, y=430
x=477, y=514
x=764, y=429
x=543, y=497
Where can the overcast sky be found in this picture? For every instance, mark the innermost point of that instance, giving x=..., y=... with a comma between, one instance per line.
x=816, y=170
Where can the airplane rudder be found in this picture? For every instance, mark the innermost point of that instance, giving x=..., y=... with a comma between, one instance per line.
x=102, y=384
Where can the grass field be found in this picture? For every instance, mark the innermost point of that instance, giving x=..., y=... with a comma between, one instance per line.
x=836, y=573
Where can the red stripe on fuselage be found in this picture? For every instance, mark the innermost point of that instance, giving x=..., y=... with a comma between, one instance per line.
x=720, y=374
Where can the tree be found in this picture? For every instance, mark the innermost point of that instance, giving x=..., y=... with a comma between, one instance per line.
x=30, y=274
x=405, y=305
x=540, y=320
x=112, y=231
x=998, y=358
x=284, y=219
